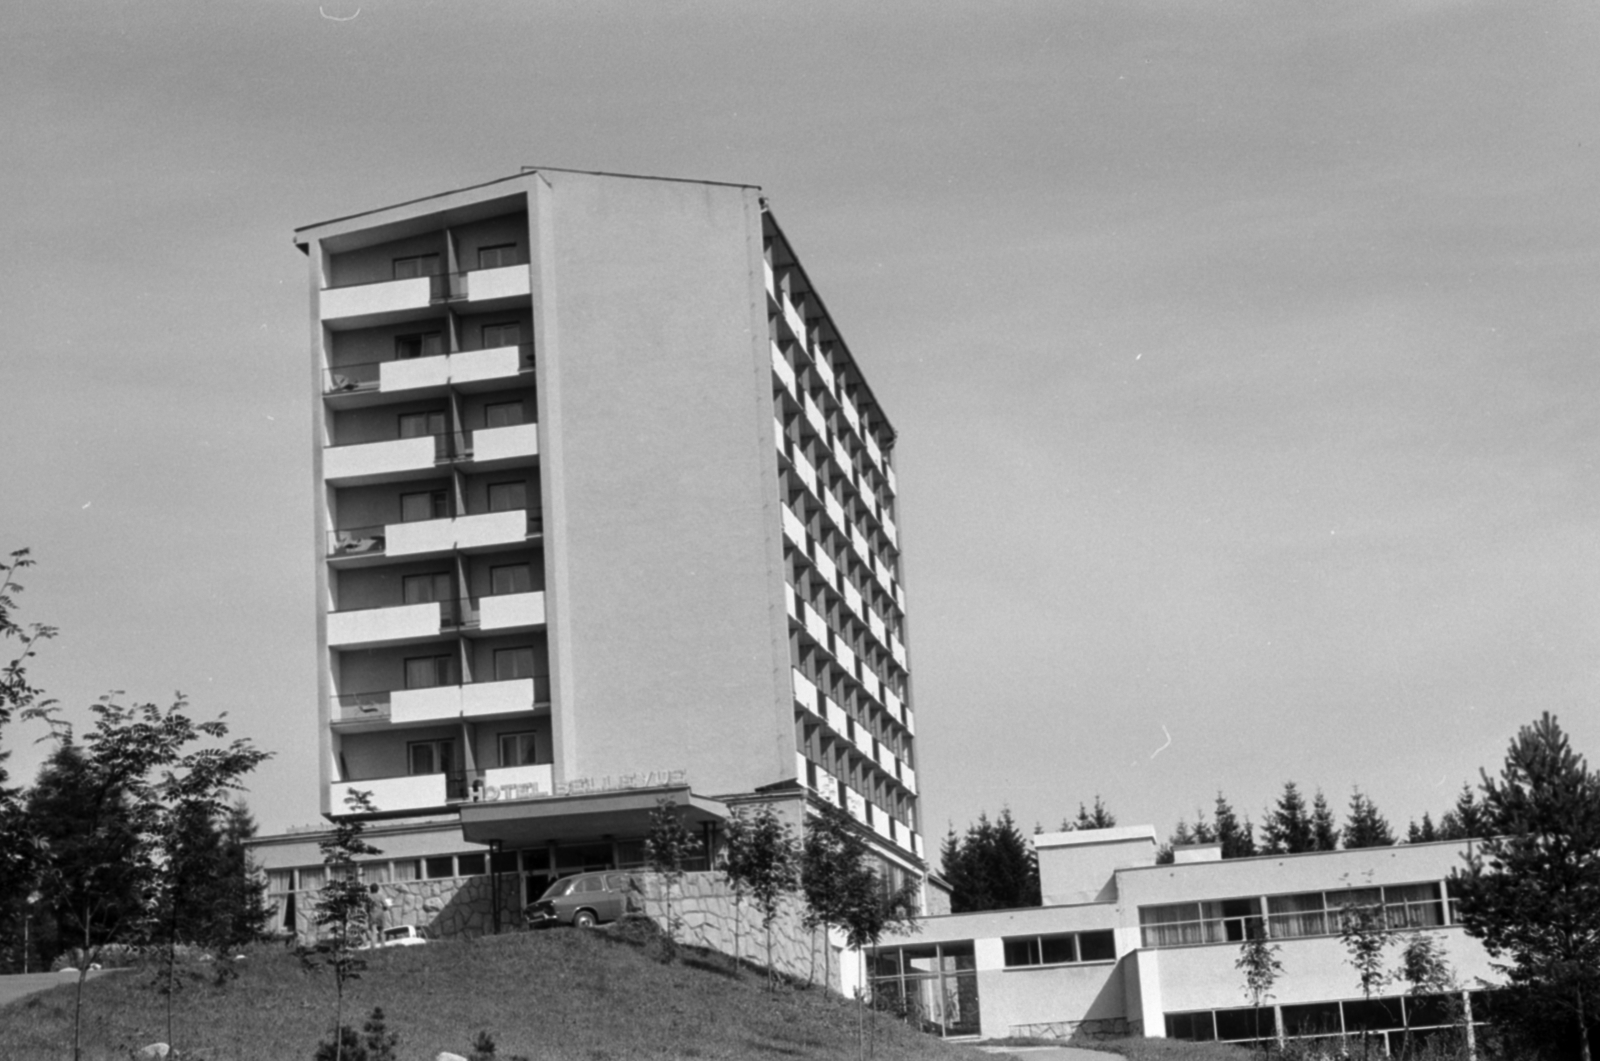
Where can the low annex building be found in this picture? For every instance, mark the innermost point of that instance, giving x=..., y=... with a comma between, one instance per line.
x=1122, y=945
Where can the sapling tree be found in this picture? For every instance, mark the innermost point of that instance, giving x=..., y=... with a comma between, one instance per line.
x=1258, y=960
x=668, y=848
x=344, y=906
x=735, y=843
x=823, y=868
x=761, y=857
x=1365, y=934
x=18, y=644
x=1425, y=970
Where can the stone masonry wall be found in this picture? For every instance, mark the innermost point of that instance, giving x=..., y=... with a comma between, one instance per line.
x=443, y=909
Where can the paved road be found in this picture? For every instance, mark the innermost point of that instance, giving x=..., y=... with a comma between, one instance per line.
x=1051, y=1053
x=22, y=985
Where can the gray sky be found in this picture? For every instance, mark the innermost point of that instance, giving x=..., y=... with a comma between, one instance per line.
x=1243, y=354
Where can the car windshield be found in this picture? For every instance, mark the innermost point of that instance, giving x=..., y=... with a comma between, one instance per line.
x=397, y=933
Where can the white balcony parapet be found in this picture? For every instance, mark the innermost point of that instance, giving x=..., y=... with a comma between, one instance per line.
x=377, y=625
x=392, y=793
x=911, y=722
x=505, y=443
x=778, y=436
x=508, y=281
x=793, y=529
x=852, y=597
x=784, y=371
x=873, y=451
x=908, y=776
x=845, y=655
x=461, y=532
x=437, y=704
x=496, y=362
x=841, y=456
x=805, y=693
x=815, y=418
x=869, y=682
x=880, y=822
x=511, y=609
x=789, y=600
x=897, y=650
x=801, y=774
x=890, y=531
x=858, y=542
x=892, y=703
x=807, y=473
x=496, y=698
x=386, y=297
x=816, y=625
x=916, y=845
x=824, y=370
x=878, y=630
x=378, y=458
x=889, y=477
x=856, y=803
x=515, y=782
x=825, y=565
x=772, y=283
x=836, y=716
x=850, y=414
x=900, y=597
x=834, y=510
x=881, y=573
x=828, y=786
x=413, y=373
x=796, y=323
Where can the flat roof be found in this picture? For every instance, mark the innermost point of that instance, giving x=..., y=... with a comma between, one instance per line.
x=1082, y=837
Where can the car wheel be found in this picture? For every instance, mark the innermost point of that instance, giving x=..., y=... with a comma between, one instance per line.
x=584, y=919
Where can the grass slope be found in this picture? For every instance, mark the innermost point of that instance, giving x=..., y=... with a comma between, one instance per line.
x=585, y=996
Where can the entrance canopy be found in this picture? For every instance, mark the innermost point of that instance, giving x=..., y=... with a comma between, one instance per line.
x=531, y=822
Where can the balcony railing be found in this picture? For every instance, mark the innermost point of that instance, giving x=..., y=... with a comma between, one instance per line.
x=453, y=612
x=372, y=540
x=366, y=375
x=447, y=445
x=375, y=705
x=442, y=282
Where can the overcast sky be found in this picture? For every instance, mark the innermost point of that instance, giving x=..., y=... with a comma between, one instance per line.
x=1243, y=354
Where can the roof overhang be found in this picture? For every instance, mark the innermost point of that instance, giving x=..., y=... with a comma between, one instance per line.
x=539, y=820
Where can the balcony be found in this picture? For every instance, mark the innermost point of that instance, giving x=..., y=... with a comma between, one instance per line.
x=398, y=624
x=824, y=370
x=814, y=418
x=793, y=529
x=784, y=372
x=374, y=303
x=805, y=692
x=838, y=721
x=390, y=794
x=825, y=566
x=496, y=446
x=350, y=465
x=422, y=537
x=447, y=703
x=414, y=374
x=816, y=626
x=908, y=777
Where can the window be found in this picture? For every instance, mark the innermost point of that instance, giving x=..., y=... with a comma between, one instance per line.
x=407, y=869
x=431, y=757
x=510, y=663
x=507, y=497
x=510, y=578
x=439, y=866
x=471, y=865
x=424, y=589
x=502, y=414
x=429, y=504
x=935, y=983
x=516, y=749
x=421, y=425
x=501, y=335
x=1318, y=913
x=426, y=672
x=497, y=256
x=1187, y=924
x=416, y=265
x=419, y=344
x=1063, y=949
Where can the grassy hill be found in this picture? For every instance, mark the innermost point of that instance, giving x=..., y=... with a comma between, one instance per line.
x=552, y=996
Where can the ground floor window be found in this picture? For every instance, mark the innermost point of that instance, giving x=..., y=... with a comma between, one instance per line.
x=933, y=985
x=1065, y=948
x=1387, y=1021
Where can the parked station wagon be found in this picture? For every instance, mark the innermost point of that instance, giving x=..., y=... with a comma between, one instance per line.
x=584, y=900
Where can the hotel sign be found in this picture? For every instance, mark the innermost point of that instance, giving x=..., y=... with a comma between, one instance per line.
x=582, y=786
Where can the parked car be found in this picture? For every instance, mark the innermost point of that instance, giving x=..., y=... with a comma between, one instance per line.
x=402, y=936
x=584, y=900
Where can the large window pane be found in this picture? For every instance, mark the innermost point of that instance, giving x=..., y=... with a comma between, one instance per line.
x=510, y=663
x=507, y=497
x=1097, y=946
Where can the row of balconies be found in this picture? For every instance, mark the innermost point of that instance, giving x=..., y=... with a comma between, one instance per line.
x=482, y=449
x=857, y=806
x=809, y=477
x=388, y=298
x=421, y=792
x=794, y=530
x=816, y=626
x=794, y=320
x=813, y=421
x=432, y=537
x=824, y=709
x=399, y=375
x=398, y=624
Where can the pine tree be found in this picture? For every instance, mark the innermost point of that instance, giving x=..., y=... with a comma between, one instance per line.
x=1324, y=833
x=1424, y=833
x=1531, y=891
x=1098, y=818
x=1238, y=840
x=992, y=868
x=1287, y=829
x=1467, y=820
x=1366, y=827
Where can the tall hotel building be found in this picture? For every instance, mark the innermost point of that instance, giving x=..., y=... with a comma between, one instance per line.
x=606, y=510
